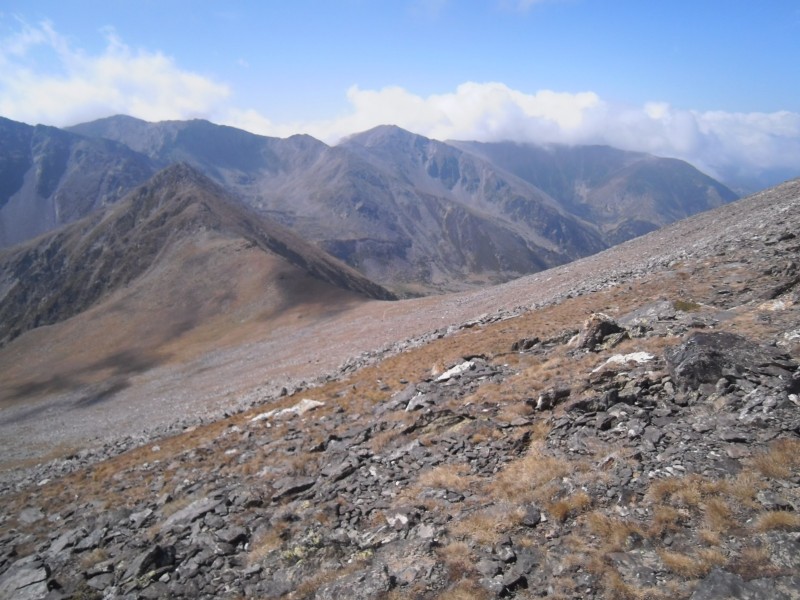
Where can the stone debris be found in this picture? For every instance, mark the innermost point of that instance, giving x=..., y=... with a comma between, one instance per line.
x=669, y=472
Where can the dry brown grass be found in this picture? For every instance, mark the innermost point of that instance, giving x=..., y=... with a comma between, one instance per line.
x=744, y=487
x=484, y=526
x=94, y=557
x=265, y=543
x=465, y=590
x=614, y=534
x=457, y=557
x=666, y=519
x=616, y=587
x=568, y=507
x=692, y=566
x=717, y=515
x=170, y=508
x=452, y=477
x=532, y=477
x=773, y=520
x=753, y=562
x=780, y=461
x=709, y=537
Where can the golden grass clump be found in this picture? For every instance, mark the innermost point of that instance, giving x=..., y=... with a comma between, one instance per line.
x=773, y=520
x=717, y=515
x=452, y=477
x=781, y=461
x=264, y=543
x=667, y=519
x=457, y=556
x=614, y=534
x=484, y=526
x=695, y=566
x=570, y=506
x=465, y=590
x=532, y=477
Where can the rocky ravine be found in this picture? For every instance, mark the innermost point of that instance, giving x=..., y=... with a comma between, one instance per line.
x=641, y=440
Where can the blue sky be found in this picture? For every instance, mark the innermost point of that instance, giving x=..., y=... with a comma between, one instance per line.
x=714, y=82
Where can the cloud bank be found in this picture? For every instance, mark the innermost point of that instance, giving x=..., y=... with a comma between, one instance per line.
x=44, y=79
x=750, y=149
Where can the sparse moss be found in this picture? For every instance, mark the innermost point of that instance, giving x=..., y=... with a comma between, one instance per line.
x=685, y=305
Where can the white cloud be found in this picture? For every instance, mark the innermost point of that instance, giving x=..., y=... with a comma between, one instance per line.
x=717, y=142
x=73, y=86
x=44, y=78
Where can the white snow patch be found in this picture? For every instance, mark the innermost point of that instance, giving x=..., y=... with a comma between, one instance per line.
x=300, y=408
x=622, y=359
x=457, y=370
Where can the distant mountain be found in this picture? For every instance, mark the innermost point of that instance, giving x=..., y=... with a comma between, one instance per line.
x=626, y=194
x=177, y=217
x=49, y=177
x=408, y=212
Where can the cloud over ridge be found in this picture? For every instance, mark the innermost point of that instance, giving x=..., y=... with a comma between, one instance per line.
x=45, y=79
x=66, y=85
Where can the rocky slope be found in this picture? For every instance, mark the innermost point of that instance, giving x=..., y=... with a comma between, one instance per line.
x=627, y=426
x=625, y=193
x=50, y=177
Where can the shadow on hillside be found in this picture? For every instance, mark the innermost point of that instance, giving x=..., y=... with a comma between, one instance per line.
x=84, y=381
x=316, y=298
x=98, y=394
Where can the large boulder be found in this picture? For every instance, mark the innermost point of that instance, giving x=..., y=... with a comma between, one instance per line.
x=707, y=357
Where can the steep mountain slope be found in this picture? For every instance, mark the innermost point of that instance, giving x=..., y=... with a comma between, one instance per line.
x=475, y=185
x=625, y=193
x=50, y=177
x=421, y=215
x=625, y=426
x=398, y=228
x=63, y=274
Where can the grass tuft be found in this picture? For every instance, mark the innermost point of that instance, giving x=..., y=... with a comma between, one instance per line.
x=777, y=520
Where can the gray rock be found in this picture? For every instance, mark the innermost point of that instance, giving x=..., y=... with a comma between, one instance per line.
x=595, y=331
x=152, y=559
x=706, y=357
x=194, y=511
x=722, y=584
x=362, y=585
x=30, y=515
x=532, y=517
x=25, y=580
x=233, y=535
x=93, y=540
x=291, y=486
x=489, y=567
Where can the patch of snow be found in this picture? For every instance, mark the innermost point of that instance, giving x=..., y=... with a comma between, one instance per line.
x=457, y=370
x=300, y=408
x=622, y=359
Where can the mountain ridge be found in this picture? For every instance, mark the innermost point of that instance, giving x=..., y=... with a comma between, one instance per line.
x=62, y=274
x=379, y=199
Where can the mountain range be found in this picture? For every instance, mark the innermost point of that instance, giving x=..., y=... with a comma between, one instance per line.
x=410, y=213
